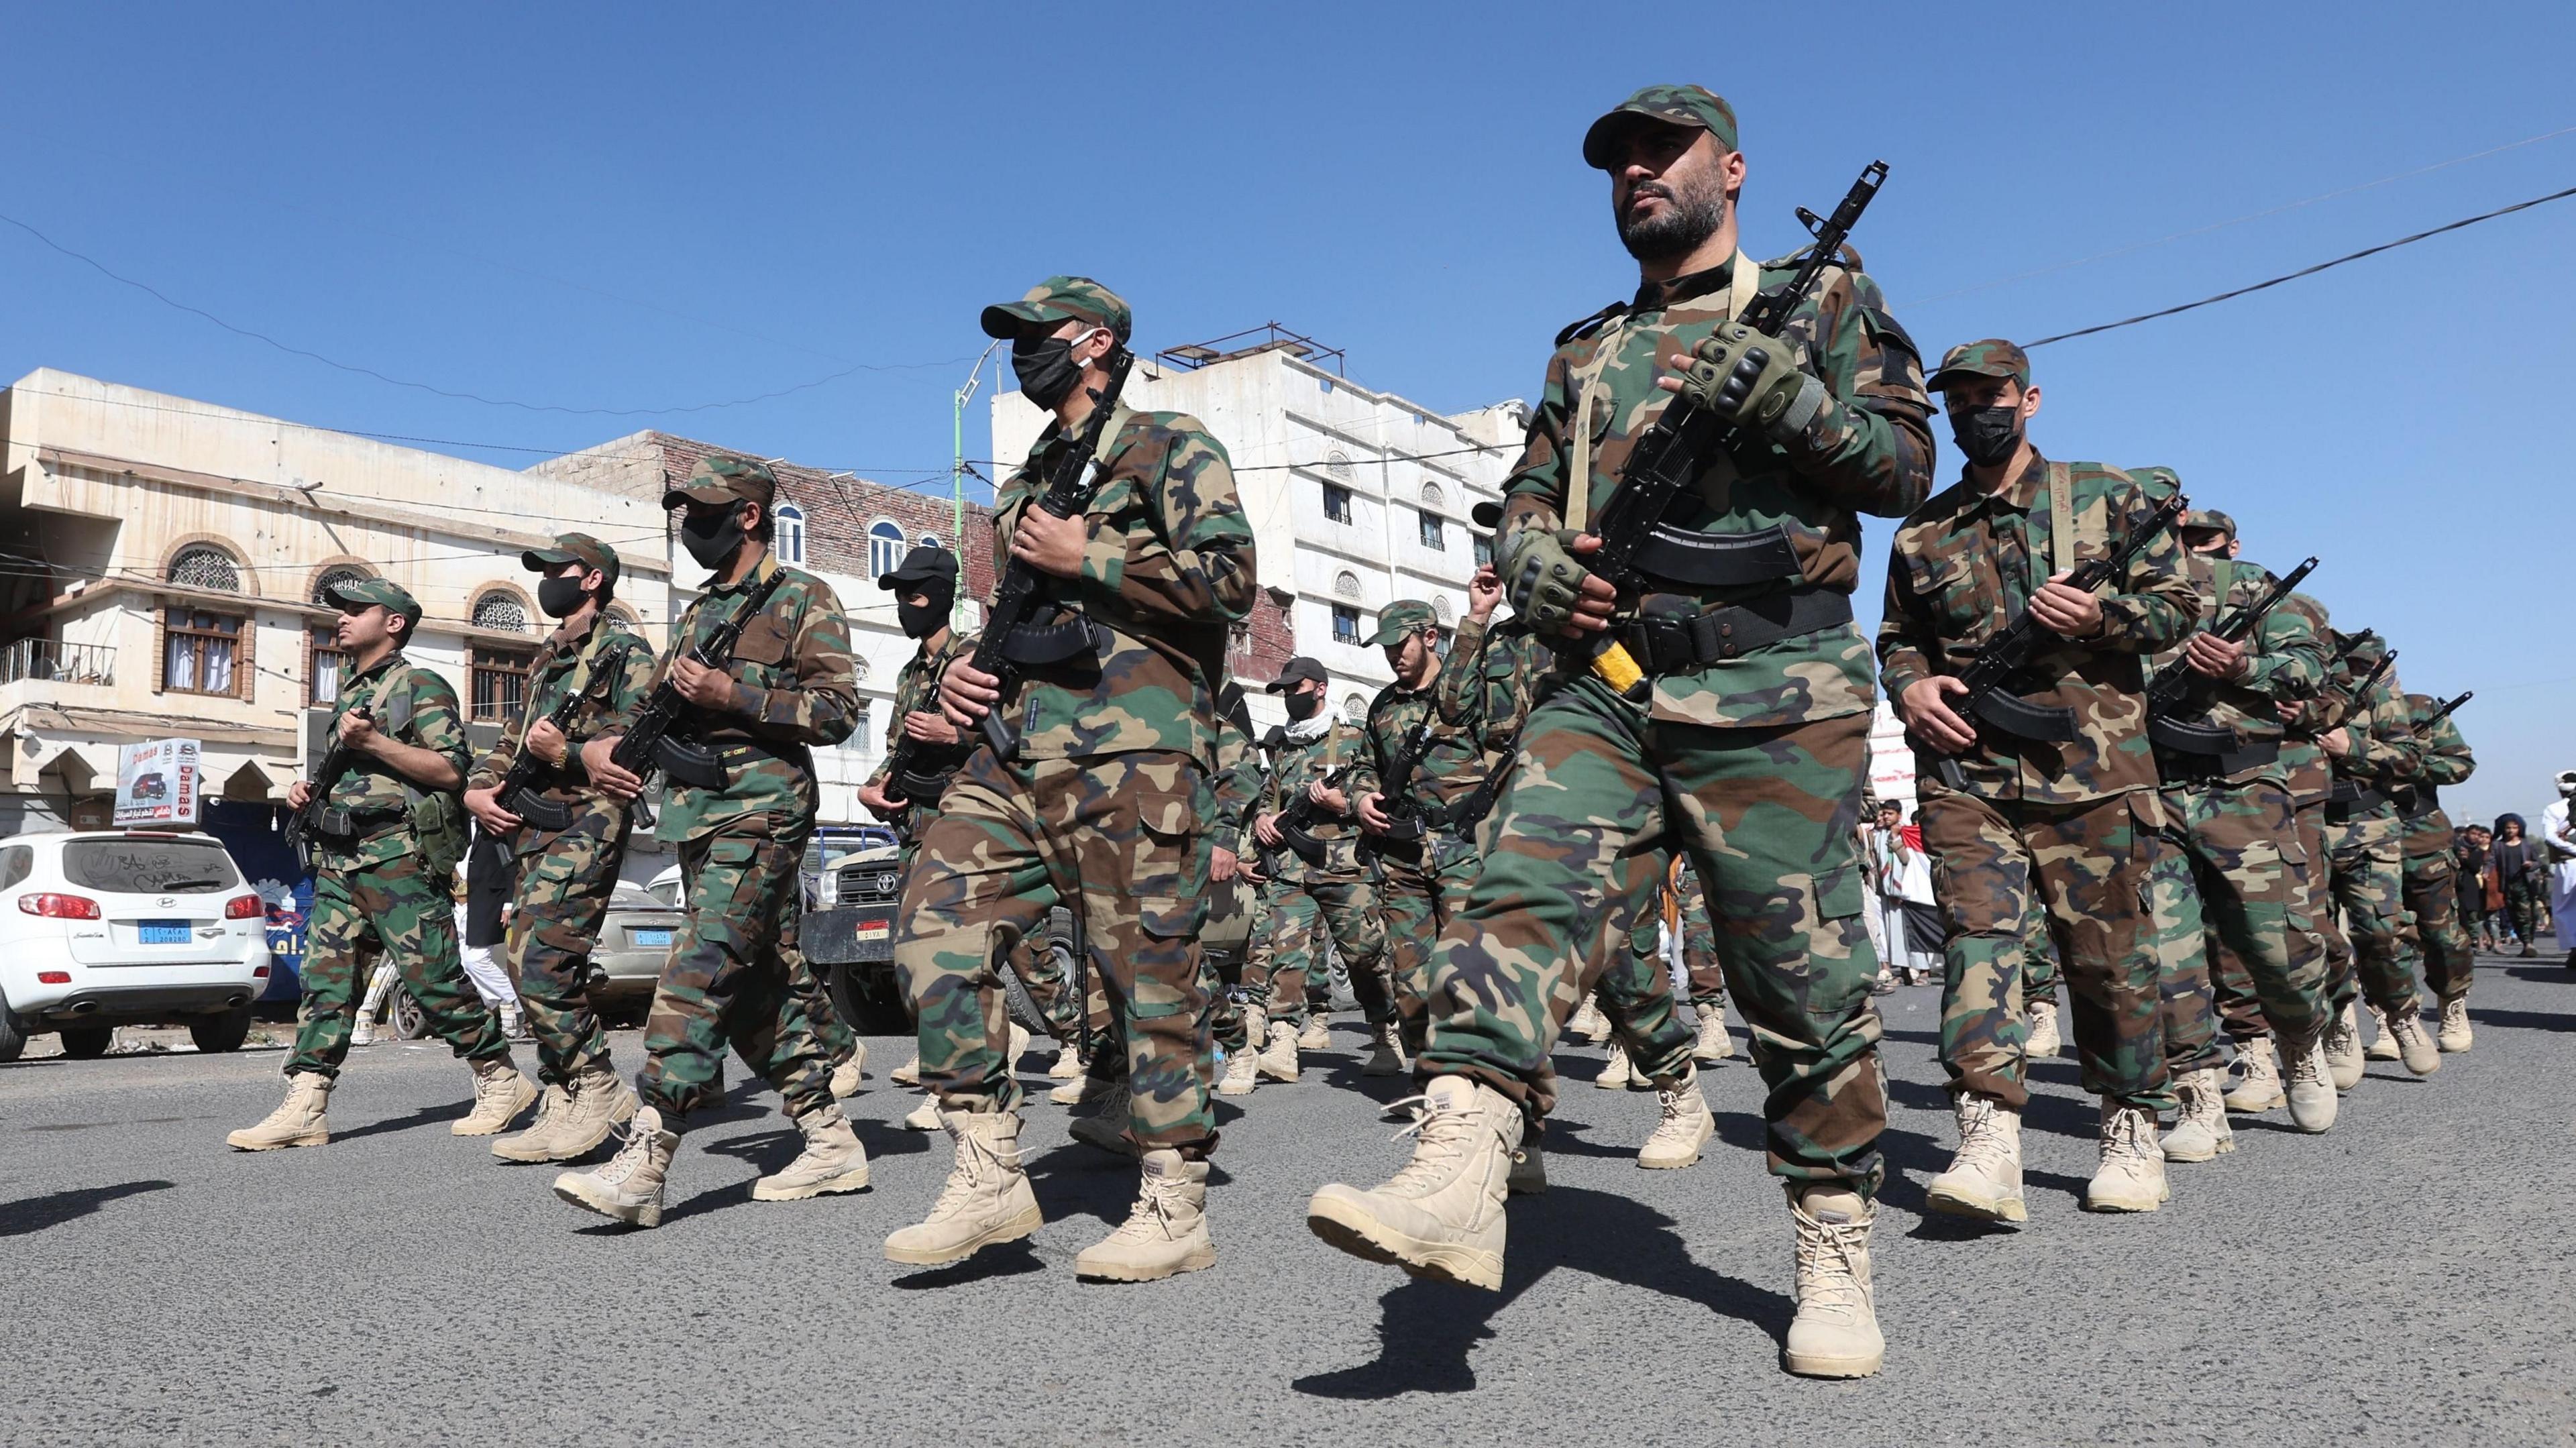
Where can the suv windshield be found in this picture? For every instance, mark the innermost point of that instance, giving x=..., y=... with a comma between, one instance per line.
x=149, y=867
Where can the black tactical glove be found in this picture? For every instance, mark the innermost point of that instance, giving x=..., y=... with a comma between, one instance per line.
x=1542, y=578
x=1752, y=381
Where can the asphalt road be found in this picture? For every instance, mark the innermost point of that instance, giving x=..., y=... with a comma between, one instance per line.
x=2403, y=1279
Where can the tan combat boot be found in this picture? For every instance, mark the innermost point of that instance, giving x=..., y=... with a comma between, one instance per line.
x=985, y=1202
x=1278, y=1059
x=2200, y=1130
x=2383, y=1046
x=2344, y=1063
x=1587, y=1022
x=2043, y=1042
x=2131, y=1177
x=1616, y=1074
x=847, y=1076
x=1102, y=1120
x=924, y=1117
x=1386, y=1052
x=1686, y=1126
x=907, y=1074
x=1835, y=1334
x=1984, y=1179
x=1714, y=1044
x=2311, y=1094
x=1018, y=1047
x=1068, y=1061
x=2456, y=1035
x=537, y=1142
x=2258, y=1077
x=1440, y=1217
x=1243, y=1067
x=629, y=1188
x=832, y=1161
x=596, y=1103
x=1318, y=1033
x=297, y=1121
x=2413, y=1046
x=1165, y=1233
x=500, y=1094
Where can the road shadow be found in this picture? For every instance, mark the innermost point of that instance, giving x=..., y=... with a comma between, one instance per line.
x=35, y=1214
x=1011, y=1259
x=1076, y=1180
x=2522, y=1020
x=1427, y=1331
x=452, y=1111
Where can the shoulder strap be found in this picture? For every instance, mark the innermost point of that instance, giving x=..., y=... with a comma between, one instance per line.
x=398, y=707
x=1743, y=284
x=2061, y=520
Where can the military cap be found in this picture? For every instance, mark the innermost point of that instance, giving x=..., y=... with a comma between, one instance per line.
x=2210, y=519
x=1294, y=672
x=1487, y=515
x=578, y=548
x=355, y=594
x=1400, y=618
x=1993, y=357
x=1061, y=299
x=1677, y=105
x=921, y=565
x=721, y=478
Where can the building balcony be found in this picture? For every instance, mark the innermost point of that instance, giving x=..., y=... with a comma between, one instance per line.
x=50, y=661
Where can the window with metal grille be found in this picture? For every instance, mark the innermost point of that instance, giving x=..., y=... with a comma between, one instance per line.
x=1346, y=585
x=1346, y=624
x=499, y=680
x=1432, y=536
x=1484, y=549
x=1337, y=503
x=199, y=650
x=501, y=612
x=203, y=565
x=329, y=663
x=1355, y=709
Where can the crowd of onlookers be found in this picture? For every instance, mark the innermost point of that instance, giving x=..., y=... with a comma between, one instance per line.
x=2504, y=879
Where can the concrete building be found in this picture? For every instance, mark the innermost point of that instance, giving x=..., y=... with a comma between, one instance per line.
x=1357, y=497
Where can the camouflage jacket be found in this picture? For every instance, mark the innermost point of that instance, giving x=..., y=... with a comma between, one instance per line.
x=410, y=705
x=793, y=688
x=1487, y=686
x=1961, y=569
x=1293, y=767
x=2286, y=659
x=1167, y=571
x=2303, y=760
x=2384, y=748
x=1448, y=766
x=916, y=691
x=614, y=667
x=1241, y=770
x=1868, y=449
x=2445, y=760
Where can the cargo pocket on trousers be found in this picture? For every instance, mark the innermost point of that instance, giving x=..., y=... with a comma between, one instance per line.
x=1165, y=918
x=1164, y=826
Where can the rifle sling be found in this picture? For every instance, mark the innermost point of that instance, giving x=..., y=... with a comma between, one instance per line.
x=1743, y=284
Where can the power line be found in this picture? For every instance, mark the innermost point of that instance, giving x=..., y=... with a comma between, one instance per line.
x=294, y=351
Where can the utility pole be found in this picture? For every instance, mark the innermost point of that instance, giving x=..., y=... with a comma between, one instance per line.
x=957, y=475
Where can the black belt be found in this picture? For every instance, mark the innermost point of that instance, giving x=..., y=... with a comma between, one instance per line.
x=1678, y=643
x=350, y=824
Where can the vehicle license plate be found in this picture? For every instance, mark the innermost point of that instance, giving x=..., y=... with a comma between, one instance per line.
x=874, y=929
x=652, y=937
x=164, y=932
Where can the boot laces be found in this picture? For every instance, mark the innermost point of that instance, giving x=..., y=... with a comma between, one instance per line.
x=1678, y=1103
x=977, y=1161
x=634, y=1148
x=1158, y=1201
x=2124, y=1136
x=1440, y=1136
x=289, y=1109
x=1981, y=1143
x=1828, y=1275
x=2308, y=1065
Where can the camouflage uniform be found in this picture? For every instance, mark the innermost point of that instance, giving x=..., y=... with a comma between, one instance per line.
x=1238, y=783
x=1337, y=897
x=2431, y=885
x=735, y=975
x=377, y=884
x=1747, y=753
x=1105, y=803
x=2365, y=849
x=2067, y=828
x=566, y=877
x=1421, y=880
x=2306, y=779
x=1699, y=941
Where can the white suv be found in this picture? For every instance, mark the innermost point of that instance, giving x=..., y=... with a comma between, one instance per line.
x=103, y=928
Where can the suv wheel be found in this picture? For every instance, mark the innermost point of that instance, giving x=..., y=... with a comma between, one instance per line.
x=410, y=1022
x=87, y=1043
x=869, y=1000
x=223, y=1031
x=13, y=1033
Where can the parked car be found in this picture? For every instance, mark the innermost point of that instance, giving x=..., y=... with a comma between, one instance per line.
x=625, y=964
x=115, y=928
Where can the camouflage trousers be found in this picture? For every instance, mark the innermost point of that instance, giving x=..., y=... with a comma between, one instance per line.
x=564, y=888
x=1597, y=802
x=2176, y=931
x=735, y=977
x=2366, y=881
x=1998, y=863
x=1699, y=946
x=1118, y=839
x=396, y=907
x=2431, y=890
x=2522, y=900
x=1415, y=899
x=1289, y=975
x=1227, y=1021
x=1067, y=1016
x=1636, y=995
x=2250, y=870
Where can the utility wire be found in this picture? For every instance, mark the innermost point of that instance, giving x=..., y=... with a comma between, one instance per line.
x=2307, y=271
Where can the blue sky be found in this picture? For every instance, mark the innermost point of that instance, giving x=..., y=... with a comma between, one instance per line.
x=638, y=207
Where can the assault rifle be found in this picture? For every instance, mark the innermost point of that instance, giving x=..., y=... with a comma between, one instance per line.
x=650, y=743
x=1403, y=815
x=2178, y=692
x=2008, y=652
x=306, y=826
x=1684, y=437
x=518, y=792
x=1293, y=834
x=2353, y=696
x=2447, y=710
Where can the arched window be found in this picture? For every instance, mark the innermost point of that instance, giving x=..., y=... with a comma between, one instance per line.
x=930, y=540
x=332, y=578
x=200, y=649
x=203, y=565
x=501, y=611
x=1441, y=611
x=1338, y=463
x=787, y=540
x=1346, y=585
x=327, y=663
x=885, y=548
x=1431, y=497
x=1355, y=709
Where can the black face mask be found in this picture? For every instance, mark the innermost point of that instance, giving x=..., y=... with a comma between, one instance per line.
x=559, y=597
x=1302, y=706
x=712, y=537
x=1045, y=368
x=922, y=620
x=1987, y=435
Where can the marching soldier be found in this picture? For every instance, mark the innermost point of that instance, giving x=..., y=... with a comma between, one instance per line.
x=2365, y=732
x=1424, y=870
x=1746, y=748
x=571, y=844
x=392, y=831
x=1103, y=802
x=2430, y=890
x=2059, y=810
x=740, y=803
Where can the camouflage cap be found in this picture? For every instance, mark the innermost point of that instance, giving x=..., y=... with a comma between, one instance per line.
x=1294, y=672
x=2211, y=520
x=1677, y=105
x=1061, y=299
x=721, y=478
x=1401, y=618
x=578, y=548
x=356, y=594
x=1993, y=357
